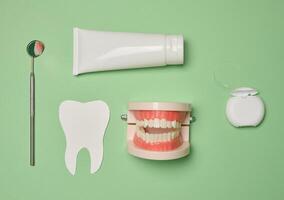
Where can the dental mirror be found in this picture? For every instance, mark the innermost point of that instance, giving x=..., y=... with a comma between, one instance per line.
x=35, y=48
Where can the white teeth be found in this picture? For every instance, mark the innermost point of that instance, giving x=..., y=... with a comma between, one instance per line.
x=169, y=137
x=139, y=123
x=151, y=123
x=158, y=123
x=164, y=137
x=143, y=136
x=145, y=123
x=174, y=124
x=172, y=135
x=163, y=123
x=178, y=125
x=156, y=137
x=150, y=138
x=147, y=138
x=169, y=124
x=153, y=138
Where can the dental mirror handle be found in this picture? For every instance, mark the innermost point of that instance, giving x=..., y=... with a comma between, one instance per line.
x=32, y=115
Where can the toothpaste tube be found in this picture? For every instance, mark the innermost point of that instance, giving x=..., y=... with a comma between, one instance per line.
x=102, y=51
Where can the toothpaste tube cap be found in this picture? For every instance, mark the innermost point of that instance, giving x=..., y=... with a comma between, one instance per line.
x=174, y=49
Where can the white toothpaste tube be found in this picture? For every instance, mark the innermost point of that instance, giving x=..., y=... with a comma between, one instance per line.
x=102, y=51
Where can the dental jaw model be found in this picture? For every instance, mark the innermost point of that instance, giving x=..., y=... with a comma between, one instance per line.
x=84, y=126
x=158, y=130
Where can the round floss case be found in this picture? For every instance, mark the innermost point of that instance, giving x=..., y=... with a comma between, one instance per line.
x=245, y=108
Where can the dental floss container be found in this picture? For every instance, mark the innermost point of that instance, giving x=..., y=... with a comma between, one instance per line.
x=245, y=108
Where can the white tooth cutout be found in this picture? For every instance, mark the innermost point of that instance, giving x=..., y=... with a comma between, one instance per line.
x=84, y=126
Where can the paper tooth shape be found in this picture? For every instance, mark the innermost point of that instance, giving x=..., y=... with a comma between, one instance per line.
x=84, y=126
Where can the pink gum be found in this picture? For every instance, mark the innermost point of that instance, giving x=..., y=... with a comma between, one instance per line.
x=152, y=114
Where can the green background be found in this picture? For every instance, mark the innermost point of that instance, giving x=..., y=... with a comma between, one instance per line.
x=241, y=42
